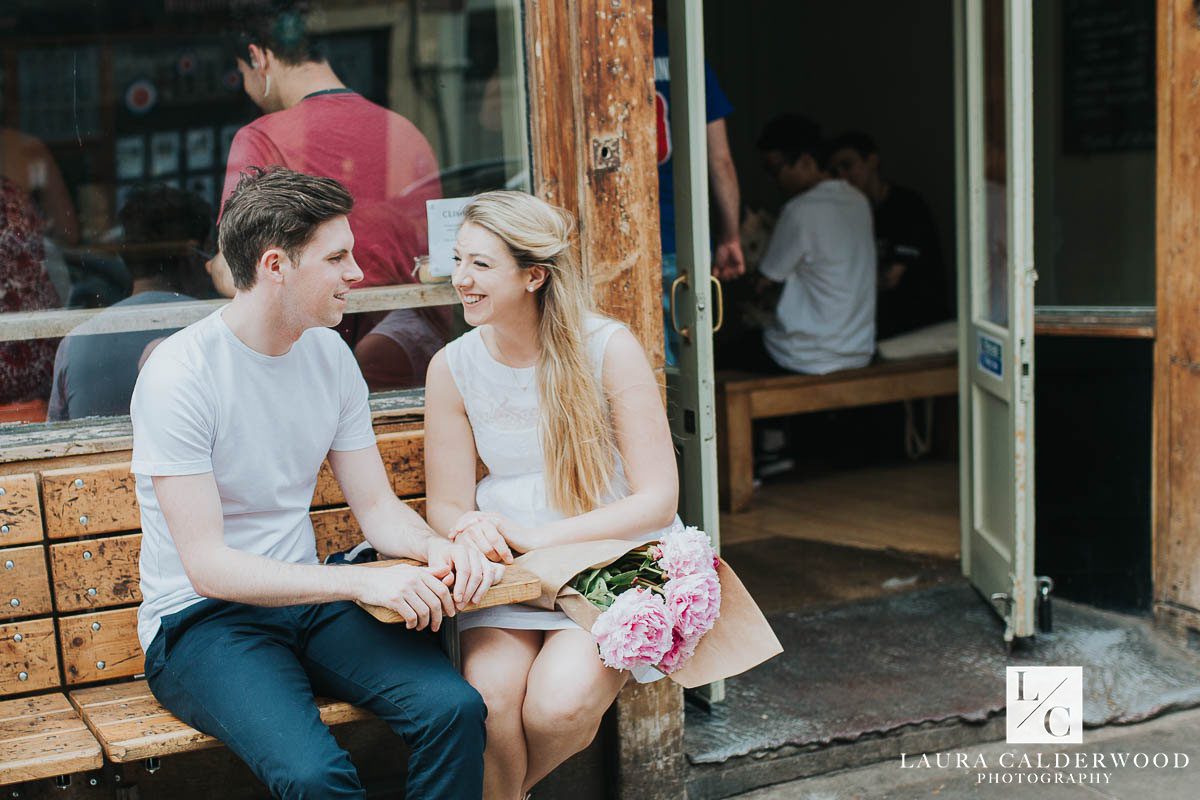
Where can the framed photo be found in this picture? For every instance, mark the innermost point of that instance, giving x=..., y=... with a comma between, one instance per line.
x=164, y=154
x=131, y=158
x=199, y=148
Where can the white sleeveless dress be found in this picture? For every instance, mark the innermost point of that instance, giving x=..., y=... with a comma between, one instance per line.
x=502, y=406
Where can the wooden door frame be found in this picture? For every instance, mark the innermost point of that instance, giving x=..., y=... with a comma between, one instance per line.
x=590, y=72
x=1176, y=479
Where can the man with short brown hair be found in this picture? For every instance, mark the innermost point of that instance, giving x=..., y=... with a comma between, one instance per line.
x=232, y=418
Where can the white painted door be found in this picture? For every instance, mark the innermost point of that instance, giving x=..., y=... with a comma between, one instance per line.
x=690, y=401
x=996, y=276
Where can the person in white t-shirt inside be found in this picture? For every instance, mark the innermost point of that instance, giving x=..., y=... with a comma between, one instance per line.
x=820, y=261
x=817, y=276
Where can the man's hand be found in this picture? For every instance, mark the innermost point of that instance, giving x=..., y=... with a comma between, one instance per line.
x=479, y=528
x=419, y=594
x=728, y=261
x=889, y=276
x=463, y=567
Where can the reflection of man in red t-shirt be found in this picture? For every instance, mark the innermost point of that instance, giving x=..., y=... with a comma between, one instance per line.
x=314, y=124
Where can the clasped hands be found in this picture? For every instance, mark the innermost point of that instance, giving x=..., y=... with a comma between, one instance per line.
x=457, y=575
x=495, y=535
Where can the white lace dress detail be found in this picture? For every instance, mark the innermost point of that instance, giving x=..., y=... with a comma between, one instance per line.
x=502, y=406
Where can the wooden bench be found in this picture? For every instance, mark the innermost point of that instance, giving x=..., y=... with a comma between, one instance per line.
x=70, y=661
x=743, y=398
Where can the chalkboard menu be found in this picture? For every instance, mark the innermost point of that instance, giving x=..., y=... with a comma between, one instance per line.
x=1108, y=77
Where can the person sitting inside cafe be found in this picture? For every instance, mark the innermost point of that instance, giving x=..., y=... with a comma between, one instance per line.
x=912, y=278
x=95, y=370
x=819, y=263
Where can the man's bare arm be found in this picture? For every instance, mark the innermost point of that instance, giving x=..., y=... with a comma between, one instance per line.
x=191, y=506
x=396, y=530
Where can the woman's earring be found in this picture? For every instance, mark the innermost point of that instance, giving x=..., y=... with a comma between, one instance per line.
x=530, y=288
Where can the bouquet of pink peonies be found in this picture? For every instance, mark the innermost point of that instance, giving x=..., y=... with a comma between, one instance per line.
x=657, y=601
x=671, y=603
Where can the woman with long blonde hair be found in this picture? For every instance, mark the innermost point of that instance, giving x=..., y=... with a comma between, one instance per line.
x=562, y=407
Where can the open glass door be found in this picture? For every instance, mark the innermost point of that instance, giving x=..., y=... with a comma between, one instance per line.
x=996, y=276
x=690, y=402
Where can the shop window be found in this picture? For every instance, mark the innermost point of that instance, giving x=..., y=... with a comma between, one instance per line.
x=124, y=125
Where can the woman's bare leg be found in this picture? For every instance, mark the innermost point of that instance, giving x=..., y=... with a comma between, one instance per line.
x=568, y=691
x=496, y=662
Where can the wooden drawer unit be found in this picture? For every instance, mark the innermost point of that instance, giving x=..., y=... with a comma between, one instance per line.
x=96, y=573
x=100, y=646
x=20, y=512
x=24, y=583
x=403, y=456
x=336, y=529
x=80, y=501
x=28, y=658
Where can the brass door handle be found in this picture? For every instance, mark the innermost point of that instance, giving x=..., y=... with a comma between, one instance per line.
x=675, y=284
x=718, y=304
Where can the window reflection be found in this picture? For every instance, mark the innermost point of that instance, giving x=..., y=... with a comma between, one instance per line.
x=109, y=104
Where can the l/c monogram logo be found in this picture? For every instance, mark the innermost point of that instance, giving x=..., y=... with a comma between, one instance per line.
x=1045, y=705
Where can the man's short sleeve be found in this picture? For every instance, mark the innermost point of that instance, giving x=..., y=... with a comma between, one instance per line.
x=788, y=248
x=716, y=104
x=174, y=420
x=354, y=430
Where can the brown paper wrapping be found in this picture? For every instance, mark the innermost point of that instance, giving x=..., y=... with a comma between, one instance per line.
x=740, y=639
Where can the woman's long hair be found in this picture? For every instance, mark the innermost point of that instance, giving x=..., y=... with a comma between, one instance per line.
x=577, y=438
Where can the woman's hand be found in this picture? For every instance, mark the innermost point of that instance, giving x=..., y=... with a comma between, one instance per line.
x=480, y=529
x=496, y=533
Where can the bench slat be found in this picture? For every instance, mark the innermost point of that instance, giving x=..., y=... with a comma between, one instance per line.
x=83, y=500
x=35, y=655
x=113, y=643
x=43, y=737
x=96, y=573
x=25, y=582
x=20, y=511
x=131, y=725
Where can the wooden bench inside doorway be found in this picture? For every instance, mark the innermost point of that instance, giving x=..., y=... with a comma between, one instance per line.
x=743, y=398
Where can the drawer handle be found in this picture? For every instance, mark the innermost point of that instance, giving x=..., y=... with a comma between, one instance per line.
x=9, y=564
x=100, y=665
x=87, y=555
x=79, y=483
x=4, y=529
x=95, y=626
x=22, y=676
x=83, y=520
x=18, y=637
x=15, y=602
x=91, y=592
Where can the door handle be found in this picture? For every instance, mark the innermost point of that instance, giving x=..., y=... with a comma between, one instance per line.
x=718, y=304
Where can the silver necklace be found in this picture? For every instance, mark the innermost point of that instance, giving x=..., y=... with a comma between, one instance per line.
x=513, y=370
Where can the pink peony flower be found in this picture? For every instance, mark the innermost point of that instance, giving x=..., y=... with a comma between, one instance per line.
x=681, y=650
x=686, y=552
x=694, y=603
x=635, y=631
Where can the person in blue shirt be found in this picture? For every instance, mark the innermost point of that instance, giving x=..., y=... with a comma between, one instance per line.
x=727, y=262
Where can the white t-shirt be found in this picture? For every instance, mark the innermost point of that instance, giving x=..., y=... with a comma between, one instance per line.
x=823, y=251
x=206, y=402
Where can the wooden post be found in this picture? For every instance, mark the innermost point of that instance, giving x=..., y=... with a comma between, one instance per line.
x=592, y=132
x=1177, y=349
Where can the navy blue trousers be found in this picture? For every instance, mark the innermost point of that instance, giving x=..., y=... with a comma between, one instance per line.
x=247, y=675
